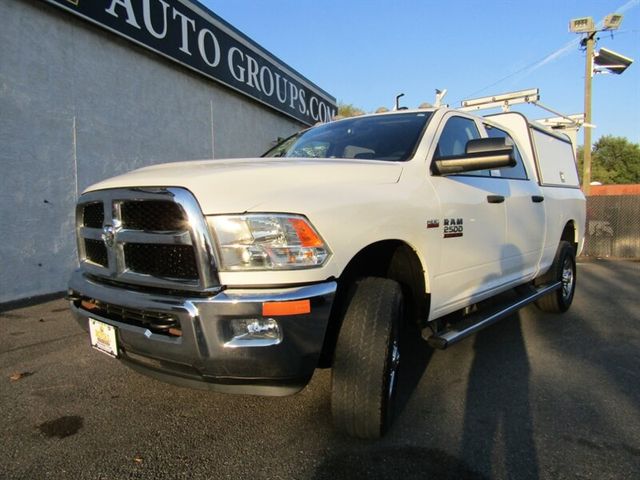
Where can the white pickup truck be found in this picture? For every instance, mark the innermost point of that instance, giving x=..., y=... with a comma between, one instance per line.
x=245, y=275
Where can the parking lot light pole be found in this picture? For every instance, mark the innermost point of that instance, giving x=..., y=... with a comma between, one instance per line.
x=586, y=26
x=588, y=126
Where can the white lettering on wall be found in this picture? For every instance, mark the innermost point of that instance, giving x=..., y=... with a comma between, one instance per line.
x=252, y=73
x=259, y=77
x=264, y=74
x=146, y=12
x=239, y=73
x=293, y=95
x=284, y=87
x=302, y=104
x=313, y=105
x=185, y=22
x=126, y=4
x=203, y=52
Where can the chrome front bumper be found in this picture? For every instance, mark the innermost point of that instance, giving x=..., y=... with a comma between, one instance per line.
x=198, y=357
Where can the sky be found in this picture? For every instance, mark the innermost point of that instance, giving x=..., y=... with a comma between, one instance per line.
x=365, y=52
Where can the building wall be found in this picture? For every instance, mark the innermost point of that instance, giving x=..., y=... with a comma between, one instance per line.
x=77, y=105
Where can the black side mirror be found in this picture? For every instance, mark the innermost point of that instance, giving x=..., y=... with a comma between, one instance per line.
x=480, y=154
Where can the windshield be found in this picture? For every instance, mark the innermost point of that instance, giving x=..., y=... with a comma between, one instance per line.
x=384, y=137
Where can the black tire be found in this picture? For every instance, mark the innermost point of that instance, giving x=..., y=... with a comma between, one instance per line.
x=563, y=270
x=365, y=367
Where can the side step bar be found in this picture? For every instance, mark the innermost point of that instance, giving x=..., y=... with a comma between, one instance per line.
x=476, y=322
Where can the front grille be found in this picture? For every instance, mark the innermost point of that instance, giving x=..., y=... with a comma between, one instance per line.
x=146, y=237
x=93, y=215
x=96, y=252
x=172, y=261
x=152, y=215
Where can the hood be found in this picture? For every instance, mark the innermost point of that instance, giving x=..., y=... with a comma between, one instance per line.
x=238, y=185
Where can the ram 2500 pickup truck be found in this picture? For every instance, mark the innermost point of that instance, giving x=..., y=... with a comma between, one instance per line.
x=245, y=275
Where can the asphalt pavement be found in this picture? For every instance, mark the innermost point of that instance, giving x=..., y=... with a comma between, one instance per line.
x=534, y=396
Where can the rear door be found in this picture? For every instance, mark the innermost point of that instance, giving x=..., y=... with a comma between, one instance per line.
x=525, y=209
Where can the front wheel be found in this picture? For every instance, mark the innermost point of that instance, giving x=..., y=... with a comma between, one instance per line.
x=367, y=357
x=563, y=270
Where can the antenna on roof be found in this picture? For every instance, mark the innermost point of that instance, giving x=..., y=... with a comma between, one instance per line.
x=440, y=94
x=397, y=104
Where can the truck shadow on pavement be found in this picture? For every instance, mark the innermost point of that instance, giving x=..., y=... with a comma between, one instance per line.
x=401, y=462
x=497, y=436
x=415, y=357
x=497, y=419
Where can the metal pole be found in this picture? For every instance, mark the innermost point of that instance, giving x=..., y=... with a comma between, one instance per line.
x=588, y=74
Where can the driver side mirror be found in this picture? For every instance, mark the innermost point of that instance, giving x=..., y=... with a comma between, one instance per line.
x=480, y=154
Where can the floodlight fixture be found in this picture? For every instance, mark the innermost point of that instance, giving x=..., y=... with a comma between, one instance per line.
x=612, y=21
x=582, y=25
x=608, y=61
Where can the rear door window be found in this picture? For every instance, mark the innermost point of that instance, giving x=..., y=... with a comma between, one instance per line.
x=518, y=172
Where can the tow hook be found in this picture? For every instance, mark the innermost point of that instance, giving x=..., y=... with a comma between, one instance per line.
x=72, y=296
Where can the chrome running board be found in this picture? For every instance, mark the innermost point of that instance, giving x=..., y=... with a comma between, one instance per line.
x=476, y=322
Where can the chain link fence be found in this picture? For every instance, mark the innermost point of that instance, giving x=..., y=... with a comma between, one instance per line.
x=613, y=226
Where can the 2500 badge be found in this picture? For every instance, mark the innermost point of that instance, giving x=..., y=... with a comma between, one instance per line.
x=453, y=227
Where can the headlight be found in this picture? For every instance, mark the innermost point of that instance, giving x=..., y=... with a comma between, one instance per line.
x=267, y=242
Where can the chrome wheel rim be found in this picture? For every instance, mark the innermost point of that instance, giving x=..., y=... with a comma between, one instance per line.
x=568, y=279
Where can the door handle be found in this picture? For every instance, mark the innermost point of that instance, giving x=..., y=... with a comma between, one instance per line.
x=537, y=198
x=495, y=198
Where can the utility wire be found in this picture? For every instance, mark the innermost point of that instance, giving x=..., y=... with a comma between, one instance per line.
x=552, y=56
x=512, y=74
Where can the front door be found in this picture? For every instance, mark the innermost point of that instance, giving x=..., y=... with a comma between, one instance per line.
x=472, y=225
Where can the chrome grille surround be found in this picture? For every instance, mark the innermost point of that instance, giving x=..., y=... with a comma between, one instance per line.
x=115, y=236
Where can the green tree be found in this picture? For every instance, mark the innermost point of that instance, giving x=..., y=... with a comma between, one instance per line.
x=348, y=110
x=614, y=160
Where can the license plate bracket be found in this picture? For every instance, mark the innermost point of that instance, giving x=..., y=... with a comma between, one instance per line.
x=103, y=337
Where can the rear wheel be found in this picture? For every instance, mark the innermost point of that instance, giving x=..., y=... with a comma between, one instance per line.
x=367, y=357
x=563, y=270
